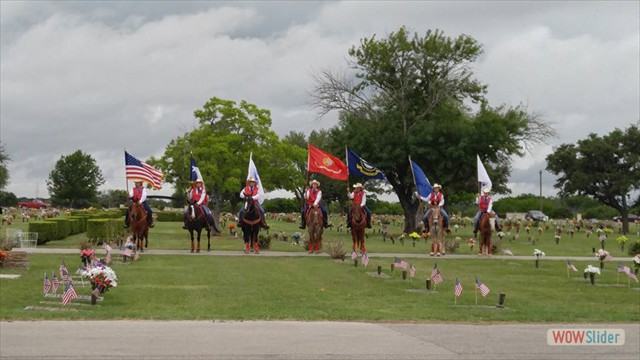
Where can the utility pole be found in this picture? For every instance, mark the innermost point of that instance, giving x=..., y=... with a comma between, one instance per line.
x=540, y=190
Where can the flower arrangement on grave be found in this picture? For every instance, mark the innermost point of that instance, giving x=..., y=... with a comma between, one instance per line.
x=101, y=277
x=231, y=227
x=539, y=254
x=591, y=271
x=471, y=242
x=557, y=239
x=602, y=254
x=621, y=241
x=86, y=253
x=296, y=236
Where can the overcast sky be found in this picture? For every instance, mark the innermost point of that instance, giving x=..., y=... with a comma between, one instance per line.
x=105, y=76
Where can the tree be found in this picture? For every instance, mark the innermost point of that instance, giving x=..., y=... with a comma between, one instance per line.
x=74, y=180
x=221, y=144
x=8, y=199
x=607, y=168
x=4, y=173
x=410, y=95
x=112, y=198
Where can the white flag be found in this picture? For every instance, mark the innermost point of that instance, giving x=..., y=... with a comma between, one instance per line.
x=253, y=172
x=483, y=177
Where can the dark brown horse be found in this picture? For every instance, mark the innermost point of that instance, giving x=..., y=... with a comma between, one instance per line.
x=358, y=225
x=139, y=226
x=196, y=221
x=435, y=227
x=485, y=234
x=315, y=227
x=251, y=222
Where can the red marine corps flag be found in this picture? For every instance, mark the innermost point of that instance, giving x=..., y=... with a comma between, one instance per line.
x=326, y=164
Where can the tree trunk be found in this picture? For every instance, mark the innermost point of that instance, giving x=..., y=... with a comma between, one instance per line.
x=410, y=207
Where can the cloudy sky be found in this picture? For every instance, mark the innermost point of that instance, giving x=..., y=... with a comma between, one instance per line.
x=102, y=76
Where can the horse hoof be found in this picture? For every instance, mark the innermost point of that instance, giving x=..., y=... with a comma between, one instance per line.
x=256, y=252
x=431, y=254
x=317, y=252
x=443, y=254
x=310, y=251
x=437, y=254
x=479, y=254
x=198, y=251
x=192, y=251
x=245, y=251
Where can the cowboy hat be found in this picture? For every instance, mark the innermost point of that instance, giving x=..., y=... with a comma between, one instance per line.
x=199, y=180
x=250, y=179
x=486, y=190
x=358, y=185
x=314, y=181
x=436, y=185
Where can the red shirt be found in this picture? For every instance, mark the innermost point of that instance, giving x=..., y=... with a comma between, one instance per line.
x=312, y=195
x=484, y=202
x=435, y=198
x=357, y=197
x=196, y=193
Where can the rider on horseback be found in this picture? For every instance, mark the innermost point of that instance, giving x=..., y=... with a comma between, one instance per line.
x=312, y=196
x=252, y=191
x=435, y=199
x=359, y=198
x=485, y=204
x=138, y=194
x=199, y=196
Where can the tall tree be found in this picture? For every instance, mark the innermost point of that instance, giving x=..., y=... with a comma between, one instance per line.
x=607, y=168
x=74, y=180
x=227, y=134
x=408, y=96
x=4, y=172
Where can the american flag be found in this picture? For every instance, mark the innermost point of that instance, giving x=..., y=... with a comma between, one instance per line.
x=621, y=269
x=570, y=266
x=458, y=289
x=354, y=255
x=106, y=247
x=484, y=290
x=64, y=273
x=126, y=252
x=412, y=271
x=365, y=259
x=632, y=275
x=138, y=170
x=56, y=283
x=400, y=264
x=436, y=276
x=96, y=291
x=136, y=256
x=507, y=252
x=69, y=294
x=46, y=286
x=107, y=258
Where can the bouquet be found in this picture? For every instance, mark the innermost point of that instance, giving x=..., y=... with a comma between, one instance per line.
x=471, y=242
x=414, y=235
x=592, y=269
x=636, y=260
x=602, y=254
x=622, y=240
x=102, y=277
x=538, y=253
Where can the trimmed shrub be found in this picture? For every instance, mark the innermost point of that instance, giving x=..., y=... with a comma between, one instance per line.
x=264, y=242
x=99, y=230
x=110, y=214
x=75, y=226
x=47, y=231
x=173, y=216
x=64, y=227
x=82, y=222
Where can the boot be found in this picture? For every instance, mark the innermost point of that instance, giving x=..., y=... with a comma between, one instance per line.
x=126, y=224
x=264, y=225
x=151, y=224
x=246, y=248
x=256, y=247
x=302, y=225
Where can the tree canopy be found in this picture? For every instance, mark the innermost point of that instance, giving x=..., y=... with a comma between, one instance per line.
x=4, y=172
x=605, y=167
x=74, y=180
x=411, y=96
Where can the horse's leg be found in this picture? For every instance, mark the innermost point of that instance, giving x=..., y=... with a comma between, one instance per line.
x=208, y=240
x=442, y=247
x=198, y=249
x=256, y=242
x=489, y=245
x=363, y=249
x=192, y=244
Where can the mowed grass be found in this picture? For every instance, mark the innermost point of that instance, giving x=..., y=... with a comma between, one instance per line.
x=248, y=287
x=171, y=236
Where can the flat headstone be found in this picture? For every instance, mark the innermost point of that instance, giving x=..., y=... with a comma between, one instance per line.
x=9, y=276
x=422, y=291
x=380, y=276
x=48, y=308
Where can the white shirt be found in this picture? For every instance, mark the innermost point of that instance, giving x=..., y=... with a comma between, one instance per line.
x=489, y=207
x=426, y=199
x=364, y=198
x=143, y=198
x=318, y=196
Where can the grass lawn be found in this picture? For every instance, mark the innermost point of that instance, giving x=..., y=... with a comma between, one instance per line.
x=317, y=288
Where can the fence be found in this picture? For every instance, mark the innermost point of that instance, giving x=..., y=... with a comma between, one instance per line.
x=22, y=239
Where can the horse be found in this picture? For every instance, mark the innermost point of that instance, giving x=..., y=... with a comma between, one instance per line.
x=485, y=233
x=250, y=223
x=196, y=221
x=314, y=222
x=435, y=226
x=139, y=226
x=358, y=225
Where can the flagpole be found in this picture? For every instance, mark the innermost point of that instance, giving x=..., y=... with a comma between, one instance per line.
x=346, y=154
x=568, y=271
x=126, y=181
x=476, y=295
x=421, y=205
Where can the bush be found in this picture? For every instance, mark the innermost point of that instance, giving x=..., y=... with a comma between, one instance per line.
x=109, y=230
x=64, y=227
x=496, y=245
x=264, y=241
x=634, y=248
x=82, y=222
x=47, y=231
x=334, y=247
x=110, y=214
x=452, y=245
x=74, y=224
x=173, y=216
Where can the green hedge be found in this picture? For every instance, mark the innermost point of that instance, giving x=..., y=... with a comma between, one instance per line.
x=109, y=214
x=47, y=231
x=64, y=227
x=99, y=230
x=82, y=222
x=169, y=216
x=75, y=226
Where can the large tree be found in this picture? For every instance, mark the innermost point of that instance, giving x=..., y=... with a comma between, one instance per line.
x=4, y=173
x=74, y=180
x=226, y=135
x=411, y=96
x=607, y=168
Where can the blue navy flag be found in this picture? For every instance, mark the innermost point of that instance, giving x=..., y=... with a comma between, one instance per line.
x=195, y=171
x=422, y=183
x=360, y=167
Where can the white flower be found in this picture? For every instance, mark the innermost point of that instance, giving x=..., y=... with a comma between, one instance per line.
x=592, y=269
x=538, y=253
x=601, y=254
x=602, y=237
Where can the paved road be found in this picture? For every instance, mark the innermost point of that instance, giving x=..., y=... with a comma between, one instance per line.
x=276, y=340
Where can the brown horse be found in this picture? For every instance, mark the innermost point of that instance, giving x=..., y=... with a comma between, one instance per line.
x=315, y=227
x=435, y=227
x=139, y=226
x=358, y=225
x=485, y=233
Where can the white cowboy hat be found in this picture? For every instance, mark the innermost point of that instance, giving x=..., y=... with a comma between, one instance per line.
x=314, y=181
x=358, y=185
x=436, y=185
x=486, y=190
x=250, y=179
x=137, y=181
x=199, y=180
